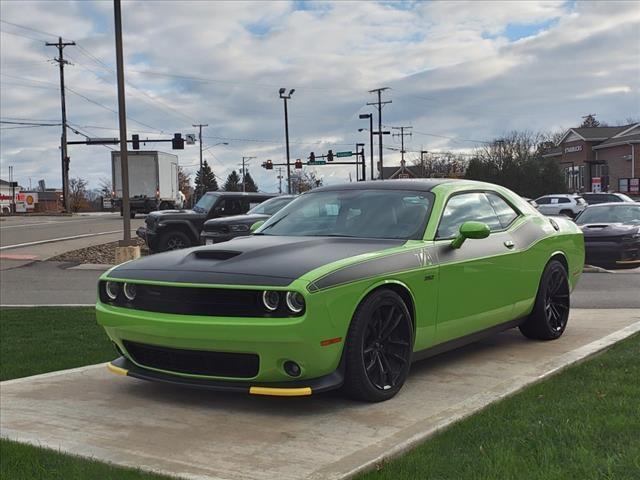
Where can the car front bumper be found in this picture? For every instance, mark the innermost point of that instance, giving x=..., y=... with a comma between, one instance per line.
x=612, y=253
x=150, y=238
x=302, y=340
x=294, y=388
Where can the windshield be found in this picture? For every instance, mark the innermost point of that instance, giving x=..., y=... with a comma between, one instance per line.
x=354, y=213
x=610, y=214
x=271, y=206
x=206, y=202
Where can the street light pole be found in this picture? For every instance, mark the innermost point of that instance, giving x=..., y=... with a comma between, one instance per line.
x=244, y=160
x=286, y=132
x=370, y=117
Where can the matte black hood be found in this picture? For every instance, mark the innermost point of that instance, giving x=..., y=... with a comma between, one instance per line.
x=595, y=230
x=216, y=223
x=254, y=260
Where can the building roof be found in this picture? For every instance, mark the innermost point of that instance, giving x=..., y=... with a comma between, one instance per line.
x=614, y=141
x=594, y=134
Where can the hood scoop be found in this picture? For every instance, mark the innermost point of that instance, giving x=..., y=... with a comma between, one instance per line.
x=597, y=226
x=219, y=255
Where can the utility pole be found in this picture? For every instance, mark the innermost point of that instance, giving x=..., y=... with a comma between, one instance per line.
x=122, y=117
x=63, y=140
x=423, y=169
x=370, y=117
x=244, y=160
x=402, y=134
x=379, y=105
x=286, y=132
x=360, y=157
x=200, y=125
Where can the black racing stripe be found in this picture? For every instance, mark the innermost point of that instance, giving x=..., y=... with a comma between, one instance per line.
x=522, y=237
x=200, y=277
x=397, y=262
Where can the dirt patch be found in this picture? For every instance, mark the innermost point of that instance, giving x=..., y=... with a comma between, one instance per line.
x=105, y=253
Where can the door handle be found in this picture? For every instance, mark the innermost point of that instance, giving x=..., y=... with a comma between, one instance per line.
x=509, y=244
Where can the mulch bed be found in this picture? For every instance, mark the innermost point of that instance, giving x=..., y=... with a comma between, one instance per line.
x=104, y=254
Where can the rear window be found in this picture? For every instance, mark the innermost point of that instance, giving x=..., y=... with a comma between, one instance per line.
x=580, y=201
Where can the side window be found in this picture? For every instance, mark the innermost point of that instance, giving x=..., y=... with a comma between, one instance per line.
x=466, y=207
x=564, y=200
x=506, y=214
x=543, y=201
x=229, y=206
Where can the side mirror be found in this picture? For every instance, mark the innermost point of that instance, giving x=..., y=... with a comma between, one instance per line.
x=256, y=226
x=475, y=230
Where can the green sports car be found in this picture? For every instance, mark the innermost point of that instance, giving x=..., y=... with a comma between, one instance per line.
x=344, y=287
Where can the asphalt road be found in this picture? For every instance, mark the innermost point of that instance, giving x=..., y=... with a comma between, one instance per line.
x=17, y=232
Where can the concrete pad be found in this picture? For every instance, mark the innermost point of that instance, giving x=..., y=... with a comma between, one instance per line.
x=207, y=435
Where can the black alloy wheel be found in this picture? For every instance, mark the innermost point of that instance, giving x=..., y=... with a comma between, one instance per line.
x=174, y=241
x=379, y=347
x=550, y=314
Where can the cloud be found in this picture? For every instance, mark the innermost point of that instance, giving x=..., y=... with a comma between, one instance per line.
x=458, y=72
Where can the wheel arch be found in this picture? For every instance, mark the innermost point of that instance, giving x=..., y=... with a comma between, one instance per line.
x=561, y=257
x=184, y=227
x=398, y=287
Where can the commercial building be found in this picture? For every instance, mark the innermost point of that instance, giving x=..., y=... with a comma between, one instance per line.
x=600, y=159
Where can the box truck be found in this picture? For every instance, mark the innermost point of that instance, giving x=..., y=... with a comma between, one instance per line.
x=153, y=181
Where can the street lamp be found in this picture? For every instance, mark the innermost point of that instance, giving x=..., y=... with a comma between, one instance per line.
x=370, y=117
x=286, y=97
x=215, y=145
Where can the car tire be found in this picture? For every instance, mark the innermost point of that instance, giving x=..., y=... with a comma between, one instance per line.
x=173, y=241
x=550, y=314
x=377, y=357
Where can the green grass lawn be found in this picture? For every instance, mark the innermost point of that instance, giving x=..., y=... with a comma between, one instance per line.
x=40, y=340
x=581, y=424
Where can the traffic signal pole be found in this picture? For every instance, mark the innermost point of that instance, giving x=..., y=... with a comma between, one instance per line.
x=200, y=125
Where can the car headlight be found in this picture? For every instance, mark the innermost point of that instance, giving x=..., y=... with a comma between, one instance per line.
x=271, y=300
x=239, y=228
x=112, y=289
x=130, y=291
x=295, y=302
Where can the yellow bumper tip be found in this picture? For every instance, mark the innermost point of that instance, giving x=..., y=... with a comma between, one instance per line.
x=117, y=370
x=281, y=392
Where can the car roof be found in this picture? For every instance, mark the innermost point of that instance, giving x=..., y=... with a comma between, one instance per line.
x=563, y=195
x=613, y=204
x=420, y=184
x=244, y=194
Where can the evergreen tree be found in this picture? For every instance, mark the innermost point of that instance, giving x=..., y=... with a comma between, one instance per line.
x=249, y=183
x=206, y=180
x=233, y=183
x=590, y=122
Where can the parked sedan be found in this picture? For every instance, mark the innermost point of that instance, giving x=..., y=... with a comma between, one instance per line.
x=561, y=204
x=606, y=197
x=345, y=286
x=611, y=234
x=222, y=229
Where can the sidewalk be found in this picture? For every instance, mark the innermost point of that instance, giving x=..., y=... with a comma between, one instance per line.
x=207, y=435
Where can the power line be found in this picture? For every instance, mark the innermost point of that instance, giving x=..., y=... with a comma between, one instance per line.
x=41, y=32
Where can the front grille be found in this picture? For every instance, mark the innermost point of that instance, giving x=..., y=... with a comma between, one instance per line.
x=195, y=362
x=216, y=302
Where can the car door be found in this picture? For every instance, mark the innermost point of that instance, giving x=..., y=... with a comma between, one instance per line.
x=478, y=281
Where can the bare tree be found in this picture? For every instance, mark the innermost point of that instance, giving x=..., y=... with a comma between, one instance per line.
x=440, y=165
x=105, y=187
x=77, y=194
x=304, y=180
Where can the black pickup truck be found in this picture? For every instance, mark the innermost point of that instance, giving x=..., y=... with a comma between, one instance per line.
x=173, y=229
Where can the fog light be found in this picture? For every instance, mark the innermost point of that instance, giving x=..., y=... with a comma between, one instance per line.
x=271, y=300
x=295, y=302
x=292, y=368
x=112, y=289
x=130, y=291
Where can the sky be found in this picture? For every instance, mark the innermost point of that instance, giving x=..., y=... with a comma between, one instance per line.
x=460, y=73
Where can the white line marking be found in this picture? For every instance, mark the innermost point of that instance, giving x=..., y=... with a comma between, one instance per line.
x=60, y=239
x=49, y=222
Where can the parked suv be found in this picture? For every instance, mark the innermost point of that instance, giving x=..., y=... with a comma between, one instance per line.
x=605, y=197
x=175, y=229
x=561, y=204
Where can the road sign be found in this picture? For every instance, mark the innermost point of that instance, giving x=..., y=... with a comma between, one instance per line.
x=317, y=162
x=344, y=154
x=190, y=138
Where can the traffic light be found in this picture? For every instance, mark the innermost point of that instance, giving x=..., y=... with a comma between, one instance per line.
x=312, y=157
x=298, y=163
x=178, y=142
x=135, y=142
x=268, y=165
x=330, y=156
